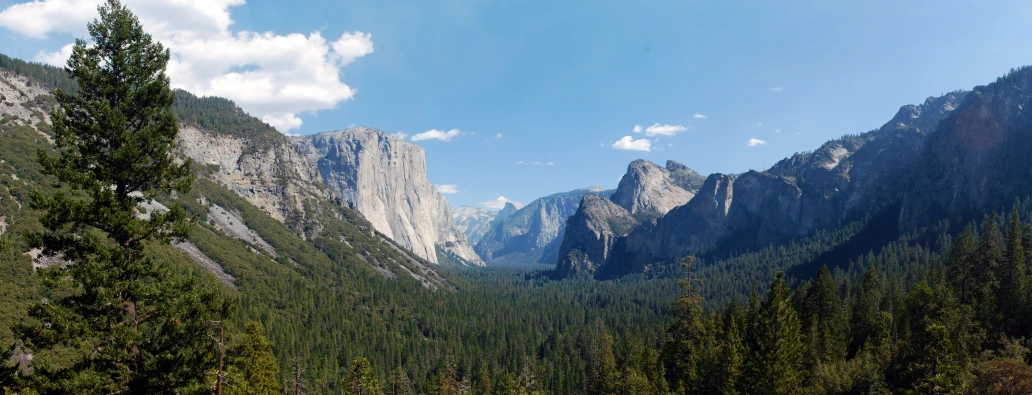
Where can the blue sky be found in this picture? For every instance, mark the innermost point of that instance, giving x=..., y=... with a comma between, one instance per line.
x=561, y=82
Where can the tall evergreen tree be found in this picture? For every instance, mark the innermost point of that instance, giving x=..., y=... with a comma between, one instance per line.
x=601, y=374
x=868, y=323
x=942, y=338
x=362, y=380
x=127, y=326
x=252, y=367
x=988, y=260
x=775, y=366
x=1013, y=281
x=960, y=265
x=690, y=342
x=823, y=317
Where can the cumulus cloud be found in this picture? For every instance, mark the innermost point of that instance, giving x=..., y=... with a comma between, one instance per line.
x=434, y=134
x=628, y=143
x=496, y=204
x=755, y=141
x=661, y=130
x=272, y=76
x=447, y=188
x=699, y=116
x=58, y=58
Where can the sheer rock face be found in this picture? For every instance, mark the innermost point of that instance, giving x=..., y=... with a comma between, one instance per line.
x=649, y=188
x=534, y=232
x=384, y=178
x=590, y=234
x=978, y=160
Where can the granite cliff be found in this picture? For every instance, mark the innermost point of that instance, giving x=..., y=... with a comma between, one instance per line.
x=384, y=178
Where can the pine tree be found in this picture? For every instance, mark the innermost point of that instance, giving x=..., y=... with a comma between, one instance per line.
x=362, y=380
x=690, y=342
x=868, y=324
x=988, y=260
x=822, y=315
x=942, y=339
x=128, y=326
x=1013, y=281
x=400, y=384
x=252, y=367
x=775, y=366
x=960, y=265
x=601, y=375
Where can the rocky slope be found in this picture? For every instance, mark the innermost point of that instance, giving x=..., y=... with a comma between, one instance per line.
x=384, y=178
x=843, y=179
x=533, y=234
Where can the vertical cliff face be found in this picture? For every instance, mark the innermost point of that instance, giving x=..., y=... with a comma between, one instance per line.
x=648, y=188
x=978, y=160
x=384, y=178
x=533, y=234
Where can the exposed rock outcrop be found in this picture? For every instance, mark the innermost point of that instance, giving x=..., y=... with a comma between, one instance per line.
x=533, y=234
x=590, y=234
x=648, y=188
x=384, y=178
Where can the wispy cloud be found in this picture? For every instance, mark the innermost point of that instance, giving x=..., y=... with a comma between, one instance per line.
x=628, y=143
x=498, y=135
x=699, y=116
x=755, y=141
x=776, y=130
x=447, y=188
x=661, y=130
x=758, y=124
x=434, y=134
x=777, y=88
x=401, y=135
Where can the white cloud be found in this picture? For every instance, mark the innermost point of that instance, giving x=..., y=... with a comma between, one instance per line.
x=777, y=88
x=630, y=144
x=664, y=130
x=758, y=124
x=434, y=134
x=447, y=188
x=776, y=130
x=637, y=128
x=401, y=135
x=272, y=76
x=550, y=164
x=755, y=141
x=699, y=116
x=519, y=162
x=58, y=58
x=496, y=204
x=498, y=135
x=283, y=123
